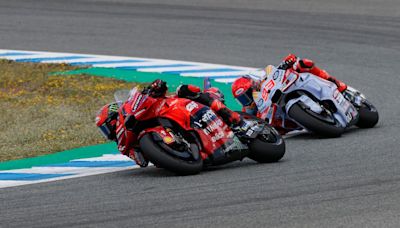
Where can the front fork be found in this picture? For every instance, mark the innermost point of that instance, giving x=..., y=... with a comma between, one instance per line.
x=354, y=96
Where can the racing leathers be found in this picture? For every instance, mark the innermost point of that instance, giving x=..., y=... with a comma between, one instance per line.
x=126, y=138
x=194, y=93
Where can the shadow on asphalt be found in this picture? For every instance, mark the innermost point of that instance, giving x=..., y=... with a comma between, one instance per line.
x=153, y=172
x=312, y=136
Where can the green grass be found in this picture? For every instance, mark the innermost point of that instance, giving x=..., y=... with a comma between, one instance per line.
x=41, y=114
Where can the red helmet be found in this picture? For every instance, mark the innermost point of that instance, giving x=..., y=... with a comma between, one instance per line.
x=216, y=93
x=106, y=120
x=242, y=90
x=158, y=88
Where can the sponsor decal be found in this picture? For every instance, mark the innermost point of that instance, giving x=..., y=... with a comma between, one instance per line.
x=239, y=91
x=137, y=102
x=168, y=140
x=212, y=127
x=192, y=105
x=276, y=75
x=207, y=116
x=267, y=89
x=217, y=136
x=335, y=94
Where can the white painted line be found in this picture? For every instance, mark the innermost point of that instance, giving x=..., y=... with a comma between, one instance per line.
x=107, y=157
x=50, y=55
x=43, y=54
x=210, y=74
x=89, y=59
x=4, y=51
x=202, y=67
x=138, y=64
x=62, y=170
x=5, y=184
x=228, y=80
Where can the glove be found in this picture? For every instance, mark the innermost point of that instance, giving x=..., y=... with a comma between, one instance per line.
x=288, y=62
x=188, y=91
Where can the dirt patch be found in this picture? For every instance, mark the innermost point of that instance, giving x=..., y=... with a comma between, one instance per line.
x=43, y=113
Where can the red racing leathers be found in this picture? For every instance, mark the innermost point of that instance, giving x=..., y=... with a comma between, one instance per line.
x=127, y=139
x=307, y=65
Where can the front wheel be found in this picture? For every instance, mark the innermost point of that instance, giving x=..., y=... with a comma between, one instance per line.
x=267, y=147
x=368, y=115
x=315, y=123
x=182, y=160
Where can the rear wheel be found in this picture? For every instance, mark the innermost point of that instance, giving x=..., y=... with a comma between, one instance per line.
x=323, y=125
x=181, y=159
x=368, y=116
x=268, y=146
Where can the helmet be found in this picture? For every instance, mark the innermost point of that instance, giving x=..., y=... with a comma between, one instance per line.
x=158, y=88
x=242, y=90
x=106, y=120
x=216, y=93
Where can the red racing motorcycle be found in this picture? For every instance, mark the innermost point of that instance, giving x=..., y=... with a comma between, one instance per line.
x=184, y=136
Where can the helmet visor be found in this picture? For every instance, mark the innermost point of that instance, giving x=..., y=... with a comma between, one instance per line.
x=246, y=98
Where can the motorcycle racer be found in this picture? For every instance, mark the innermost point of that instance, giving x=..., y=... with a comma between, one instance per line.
x=245, y=88
x=115, y=123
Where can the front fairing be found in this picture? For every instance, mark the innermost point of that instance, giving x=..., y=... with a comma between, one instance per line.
x=276, y=81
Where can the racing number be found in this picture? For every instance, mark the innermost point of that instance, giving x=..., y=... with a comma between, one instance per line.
x=267, y=89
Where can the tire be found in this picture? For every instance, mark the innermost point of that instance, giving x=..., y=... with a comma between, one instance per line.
x=267, y=149
x=368, y=116
x=314, y=124
x=156, y=154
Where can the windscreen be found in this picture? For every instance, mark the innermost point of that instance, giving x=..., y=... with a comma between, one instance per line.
x=123, y=95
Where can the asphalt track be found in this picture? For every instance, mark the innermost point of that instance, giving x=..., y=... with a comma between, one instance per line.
x=352, y=181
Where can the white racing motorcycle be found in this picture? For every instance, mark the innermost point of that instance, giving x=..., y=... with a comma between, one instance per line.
x=312, y=103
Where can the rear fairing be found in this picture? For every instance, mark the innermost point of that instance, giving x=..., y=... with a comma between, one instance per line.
x=215, y=137
x=323, y=90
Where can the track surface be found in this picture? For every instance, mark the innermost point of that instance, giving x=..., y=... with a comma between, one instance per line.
x=350, y=181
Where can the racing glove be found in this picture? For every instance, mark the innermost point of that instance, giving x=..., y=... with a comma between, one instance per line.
x=188, y=91
x=288, y=62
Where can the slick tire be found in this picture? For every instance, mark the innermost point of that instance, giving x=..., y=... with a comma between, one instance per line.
x=160, y=158
x=267, y=148
x=368, y=116
x=314, y=124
